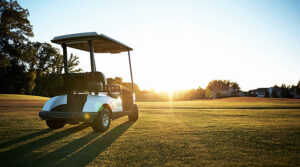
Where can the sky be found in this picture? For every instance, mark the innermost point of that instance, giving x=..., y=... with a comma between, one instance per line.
x=183, y=44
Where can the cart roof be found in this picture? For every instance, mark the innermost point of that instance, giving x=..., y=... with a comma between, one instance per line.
x=101, y=42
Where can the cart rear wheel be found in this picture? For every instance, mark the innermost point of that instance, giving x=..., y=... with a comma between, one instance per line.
x=127, y=99
x=134, y=114
x=55, y=124
x=102, y=121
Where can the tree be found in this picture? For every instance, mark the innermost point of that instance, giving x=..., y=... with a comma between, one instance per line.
x=219, y=85
x=267, y=94
x=24, y=64
x=72, y=63
x=274, y=92
x=11, y=78
x=284, y=91
x=41, y=55
x=29, y=83
x=216, y=85
x=126, y=85
x=45, y=60
x=199, y=94
x=208, y=94
x=116, y=80
x=57, y=64
x=235, y=86
x=218, y=95
x=15, y=29
x=298, y=88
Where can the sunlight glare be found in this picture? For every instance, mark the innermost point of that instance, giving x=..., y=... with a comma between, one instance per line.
x=170, y=95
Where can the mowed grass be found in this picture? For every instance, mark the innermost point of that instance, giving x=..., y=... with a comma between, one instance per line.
x=227, y=103
x=226, y=132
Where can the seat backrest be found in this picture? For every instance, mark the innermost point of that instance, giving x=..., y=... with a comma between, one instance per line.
x=96, y=82
x=90, y=81
x=75, y=81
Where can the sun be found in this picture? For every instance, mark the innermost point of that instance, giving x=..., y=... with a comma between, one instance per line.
x=170, y=92
x=167, y=90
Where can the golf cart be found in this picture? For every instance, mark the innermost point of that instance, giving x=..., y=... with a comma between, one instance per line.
x=87, y=97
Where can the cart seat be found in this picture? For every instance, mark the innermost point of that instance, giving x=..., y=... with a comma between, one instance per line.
x=96, y=82
x=91, y=82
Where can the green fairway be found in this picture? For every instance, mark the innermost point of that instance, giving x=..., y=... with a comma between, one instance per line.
x=226, y=132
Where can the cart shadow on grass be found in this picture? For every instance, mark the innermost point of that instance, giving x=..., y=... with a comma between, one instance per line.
x=24, y=138
x=79, y=152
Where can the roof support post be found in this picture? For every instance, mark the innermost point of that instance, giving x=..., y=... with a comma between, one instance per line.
x=65, y=56
x=130, y=72
x=93, y=65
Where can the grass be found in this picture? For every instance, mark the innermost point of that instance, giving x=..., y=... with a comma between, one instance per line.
x=227, y=103
x=21, y=97
x=226, y=132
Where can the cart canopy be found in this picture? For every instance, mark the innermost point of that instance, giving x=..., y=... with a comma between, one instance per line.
x=101, y=42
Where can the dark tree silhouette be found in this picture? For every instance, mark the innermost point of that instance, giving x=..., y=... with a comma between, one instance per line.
x=25, y=66
x=274, y=92
x=284, y=91
x=267, y=94
x=235, y=86
x=57, y=64
x=298, y=88
x=15, y=29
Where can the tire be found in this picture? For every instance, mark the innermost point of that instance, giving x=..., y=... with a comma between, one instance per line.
x=55, y=124
x=102, y=121
x=134, y=114
x=127, y=99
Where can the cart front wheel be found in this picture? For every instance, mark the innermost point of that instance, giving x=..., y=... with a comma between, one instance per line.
x=55, y=124
x=102, y=121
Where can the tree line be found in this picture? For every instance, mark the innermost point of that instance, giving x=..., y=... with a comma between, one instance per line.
x=26, y=67
x=283, y=91
x=214, y=87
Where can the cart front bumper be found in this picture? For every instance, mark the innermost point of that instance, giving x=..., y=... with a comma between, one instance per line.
x=68, y=116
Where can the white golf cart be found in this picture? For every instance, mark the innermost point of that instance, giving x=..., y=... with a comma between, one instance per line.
x=87, y=97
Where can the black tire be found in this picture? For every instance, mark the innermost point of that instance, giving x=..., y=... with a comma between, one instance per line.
x=102, y=121
x=134, y=114
x=55, y=124
x=127, y=99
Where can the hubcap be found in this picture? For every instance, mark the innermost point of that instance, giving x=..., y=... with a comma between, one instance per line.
x=105, y=119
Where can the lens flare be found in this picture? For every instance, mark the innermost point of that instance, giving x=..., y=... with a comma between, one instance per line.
x=87, y=116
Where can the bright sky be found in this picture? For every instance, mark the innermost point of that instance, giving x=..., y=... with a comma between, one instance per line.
x=183, y=44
